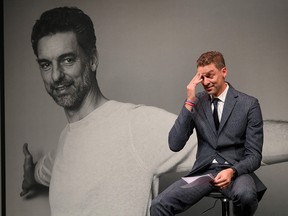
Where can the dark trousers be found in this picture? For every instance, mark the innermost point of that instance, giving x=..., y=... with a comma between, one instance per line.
x=175, y=199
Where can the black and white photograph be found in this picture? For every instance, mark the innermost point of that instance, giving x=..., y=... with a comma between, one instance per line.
x=107, y=105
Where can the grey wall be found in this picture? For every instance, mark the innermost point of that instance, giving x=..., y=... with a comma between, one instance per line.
x=147, y=52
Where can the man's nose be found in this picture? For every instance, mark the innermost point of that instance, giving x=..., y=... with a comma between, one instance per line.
x=205, y=81
x=57, y=73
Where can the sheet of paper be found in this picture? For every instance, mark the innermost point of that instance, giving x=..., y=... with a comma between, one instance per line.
x=193, y=180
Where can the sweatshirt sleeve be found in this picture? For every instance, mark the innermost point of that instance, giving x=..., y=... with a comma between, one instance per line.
x=43, y=169
x=150, y=127
x=275, y=148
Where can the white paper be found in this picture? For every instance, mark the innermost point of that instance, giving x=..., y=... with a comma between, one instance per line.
x=193, y=180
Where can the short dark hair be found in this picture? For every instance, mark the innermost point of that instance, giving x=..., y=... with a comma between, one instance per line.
x=64, y=19
x=211, y=57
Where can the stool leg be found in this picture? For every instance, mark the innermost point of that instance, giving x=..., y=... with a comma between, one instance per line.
x=225, y=207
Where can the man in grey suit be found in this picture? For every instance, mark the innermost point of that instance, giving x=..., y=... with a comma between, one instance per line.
x=229, y=130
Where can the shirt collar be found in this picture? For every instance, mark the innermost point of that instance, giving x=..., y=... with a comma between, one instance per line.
x=223, y=95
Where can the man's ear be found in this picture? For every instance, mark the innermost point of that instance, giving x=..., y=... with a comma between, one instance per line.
x=94, y=60
x=224, y=71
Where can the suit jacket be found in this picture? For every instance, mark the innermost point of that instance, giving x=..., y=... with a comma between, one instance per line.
x=239, y=139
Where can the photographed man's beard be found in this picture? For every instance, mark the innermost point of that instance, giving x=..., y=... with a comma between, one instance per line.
x=70, y=101
x=74, y=97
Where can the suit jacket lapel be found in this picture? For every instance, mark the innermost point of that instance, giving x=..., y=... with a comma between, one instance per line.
x=229, y=105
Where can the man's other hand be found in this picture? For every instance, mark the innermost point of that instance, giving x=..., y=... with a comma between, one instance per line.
x=28, y=179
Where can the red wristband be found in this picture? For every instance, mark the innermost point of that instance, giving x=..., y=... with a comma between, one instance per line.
x=190, y=103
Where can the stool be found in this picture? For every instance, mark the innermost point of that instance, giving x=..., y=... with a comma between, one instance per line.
x=224, y=201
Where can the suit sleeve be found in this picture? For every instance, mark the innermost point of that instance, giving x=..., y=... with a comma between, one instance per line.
x=254, y=141
x=181, y=130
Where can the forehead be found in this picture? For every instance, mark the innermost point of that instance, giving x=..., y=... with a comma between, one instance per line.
x=207, y=69
x=57, y=44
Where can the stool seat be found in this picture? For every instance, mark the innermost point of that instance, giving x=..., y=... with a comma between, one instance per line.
x=224, y=201
x=217, y=195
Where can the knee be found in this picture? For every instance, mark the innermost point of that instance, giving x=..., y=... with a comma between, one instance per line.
x=246, y=197
x=245, y=204
x=155, y=203
x=156, y=207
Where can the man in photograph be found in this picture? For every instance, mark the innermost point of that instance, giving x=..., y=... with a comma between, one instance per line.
x=110, y=154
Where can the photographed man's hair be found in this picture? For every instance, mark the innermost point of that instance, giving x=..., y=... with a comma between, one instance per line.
x=65, y=19
x=211, y=57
